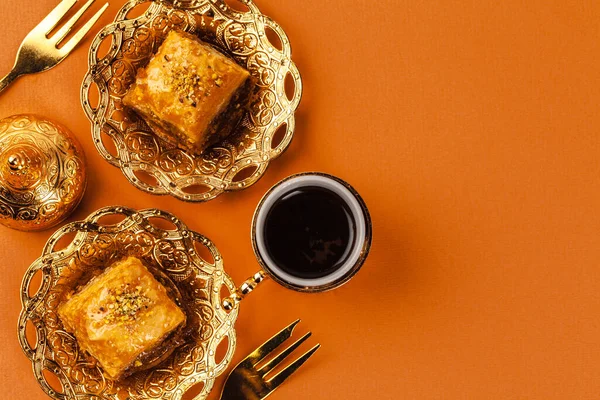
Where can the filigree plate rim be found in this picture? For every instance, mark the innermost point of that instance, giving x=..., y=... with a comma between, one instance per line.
x=220, y=180
x=91, y=225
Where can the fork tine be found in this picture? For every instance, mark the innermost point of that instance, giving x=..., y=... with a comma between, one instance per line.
x=74, y=41
x=55, y=16
x=277, y=360
x=64, y=31
x=272, y=343
x=290, y=369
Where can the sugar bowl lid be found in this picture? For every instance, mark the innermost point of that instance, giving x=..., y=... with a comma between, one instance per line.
x=42, y=173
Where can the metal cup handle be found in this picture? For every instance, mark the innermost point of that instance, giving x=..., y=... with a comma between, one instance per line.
x=240, y=293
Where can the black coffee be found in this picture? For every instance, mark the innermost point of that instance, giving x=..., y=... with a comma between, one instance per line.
x=309, y=232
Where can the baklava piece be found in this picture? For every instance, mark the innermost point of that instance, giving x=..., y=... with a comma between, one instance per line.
x=122, y=318
x=190, y=94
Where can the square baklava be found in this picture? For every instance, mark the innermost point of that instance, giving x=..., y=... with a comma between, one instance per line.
x=122, y=316
x=190, y=94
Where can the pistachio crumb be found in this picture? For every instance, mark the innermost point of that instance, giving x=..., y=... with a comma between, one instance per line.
x=124, y=304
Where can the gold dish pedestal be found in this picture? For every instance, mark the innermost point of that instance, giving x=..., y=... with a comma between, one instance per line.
x=154, y=166
x=177, y=255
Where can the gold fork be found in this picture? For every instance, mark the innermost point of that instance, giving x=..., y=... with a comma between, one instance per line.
x=39, y=53
x=247, y=381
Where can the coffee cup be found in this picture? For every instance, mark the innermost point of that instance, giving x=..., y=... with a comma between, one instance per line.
x=311, y=232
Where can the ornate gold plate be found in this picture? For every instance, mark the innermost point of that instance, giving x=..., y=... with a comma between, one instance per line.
x=154, y=166
x=177, y=257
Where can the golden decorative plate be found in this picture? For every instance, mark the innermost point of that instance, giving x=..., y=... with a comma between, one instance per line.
x=178, y=256
x=154, y=166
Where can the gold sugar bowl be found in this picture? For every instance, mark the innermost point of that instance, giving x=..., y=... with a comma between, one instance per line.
x=42, y=173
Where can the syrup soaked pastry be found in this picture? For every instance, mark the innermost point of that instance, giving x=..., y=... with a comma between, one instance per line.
x=124, y=318
x=190, y=94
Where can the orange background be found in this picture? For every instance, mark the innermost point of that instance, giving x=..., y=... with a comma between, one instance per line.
x=471, y=129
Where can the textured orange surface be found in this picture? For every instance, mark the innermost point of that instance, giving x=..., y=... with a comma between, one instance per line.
x=471, y=128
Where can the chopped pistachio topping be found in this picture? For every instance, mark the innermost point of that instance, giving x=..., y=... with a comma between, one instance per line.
x=124, y=304
x=190, y=83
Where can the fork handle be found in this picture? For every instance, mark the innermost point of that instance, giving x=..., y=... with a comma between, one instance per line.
x=8, y=79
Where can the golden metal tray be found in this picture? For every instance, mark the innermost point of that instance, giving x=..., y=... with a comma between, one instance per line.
x=154, y=166
x=180, y=256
